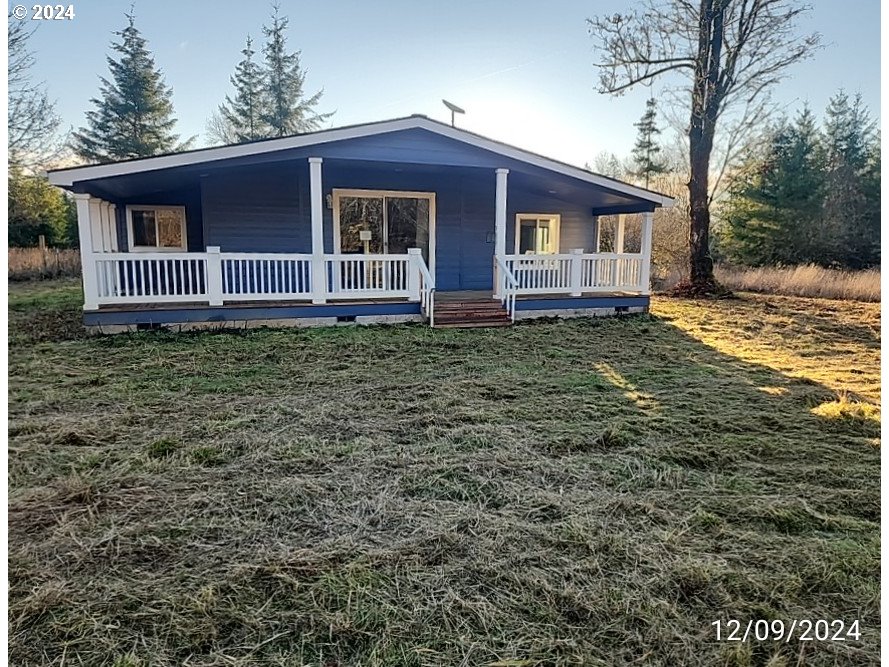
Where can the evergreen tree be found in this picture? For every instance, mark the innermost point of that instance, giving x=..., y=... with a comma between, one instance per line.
x=646, y=151
x=774, y=210
x=849, y=134
x=35, y=208
x=243, y=115
x=286, y=109
x=134, y=113
x=815, y=196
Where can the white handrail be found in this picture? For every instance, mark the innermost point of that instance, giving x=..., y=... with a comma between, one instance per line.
x=427, y=289
x=508, y=286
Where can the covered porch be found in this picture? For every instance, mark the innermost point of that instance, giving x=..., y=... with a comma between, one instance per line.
x=216, y=278
x=354, y=217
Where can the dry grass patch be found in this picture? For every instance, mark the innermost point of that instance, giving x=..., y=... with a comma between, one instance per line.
x=43, y=263
x=580, y=492
x=809, y=280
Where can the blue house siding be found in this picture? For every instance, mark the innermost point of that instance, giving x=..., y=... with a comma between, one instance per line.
x=256, y=210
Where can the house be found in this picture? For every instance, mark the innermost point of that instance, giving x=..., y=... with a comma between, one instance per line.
x=400, y=220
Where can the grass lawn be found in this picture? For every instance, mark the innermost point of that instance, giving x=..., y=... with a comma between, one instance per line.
x=581, y=492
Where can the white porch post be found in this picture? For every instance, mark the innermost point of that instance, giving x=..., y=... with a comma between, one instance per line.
x=647, y=230
x=413, y=273
x=619, y=234
x=576, y=271
x=87, y=259
x=499, y=223
x=112, y=222
x=96, y=210
x=319, y=274
x=214, y=275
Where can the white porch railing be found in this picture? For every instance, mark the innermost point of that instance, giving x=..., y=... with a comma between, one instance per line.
x=263, y=277
x=507, y=285
x=575, y=273
x=216, y=277
x=151, y=277
x=368, y=276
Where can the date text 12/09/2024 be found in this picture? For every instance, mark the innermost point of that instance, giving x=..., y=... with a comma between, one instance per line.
x=804, y=630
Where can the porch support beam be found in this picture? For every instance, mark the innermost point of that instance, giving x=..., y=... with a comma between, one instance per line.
x=319, y=275
x=85, y=205
x=499, y=223
x=647, y=232
x=619, y=234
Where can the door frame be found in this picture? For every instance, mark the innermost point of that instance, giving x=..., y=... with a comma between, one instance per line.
x=408, y=194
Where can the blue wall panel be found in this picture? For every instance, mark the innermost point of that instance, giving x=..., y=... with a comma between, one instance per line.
x=256, y=210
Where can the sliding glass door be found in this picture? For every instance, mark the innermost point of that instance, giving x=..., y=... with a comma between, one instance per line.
x=376, y=222
x=370, y=222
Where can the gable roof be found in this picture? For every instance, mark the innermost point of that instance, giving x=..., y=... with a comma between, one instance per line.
x=68, y=176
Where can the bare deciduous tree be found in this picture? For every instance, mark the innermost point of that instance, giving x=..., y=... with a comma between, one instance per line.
x=33, y=122
x=728, y=52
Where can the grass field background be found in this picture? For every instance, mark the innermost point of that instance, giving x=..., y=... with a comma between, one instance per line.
x=578, y=492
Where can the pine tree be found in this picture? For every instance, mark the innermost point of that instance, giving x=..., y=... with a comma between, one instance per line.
x=134, y=113
x=243, y=115
x=849, y=134
x=286, y=109
x=774, y=210
x=646, y=150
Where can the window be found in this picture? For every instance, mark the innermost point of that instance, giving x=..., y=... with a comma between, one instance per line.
x=537, y=233
x=156, y=228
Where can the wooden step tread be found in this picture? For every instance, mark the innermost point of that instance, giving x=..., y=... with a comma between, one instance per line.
x=474, y=324
x=468, y=306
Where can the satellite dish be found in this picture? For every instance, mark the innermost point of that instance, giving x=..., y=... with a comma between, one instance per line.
x=454, y=110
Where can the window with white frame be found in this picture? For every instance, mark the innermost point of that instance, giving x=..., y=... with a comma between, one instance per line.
x=537, y=233
x=156, y=228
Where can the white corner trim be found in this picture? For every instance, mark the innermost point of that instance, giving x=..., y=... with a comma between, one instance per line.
x=67, y=177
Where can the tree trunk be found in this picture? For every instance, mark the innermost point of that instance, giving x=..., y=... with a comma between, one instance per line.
x=706, y=98
x=700, y=262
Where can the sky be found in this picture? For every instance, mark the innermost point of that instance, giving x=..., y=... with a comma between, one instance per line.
x=523, y=69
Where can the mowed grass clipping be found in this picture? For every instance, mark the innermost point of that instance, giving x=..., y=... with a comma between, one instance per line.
x=582, y=492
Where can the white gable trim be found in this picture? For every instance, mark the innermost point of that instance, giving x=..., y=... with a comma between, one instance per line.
x=67, y=177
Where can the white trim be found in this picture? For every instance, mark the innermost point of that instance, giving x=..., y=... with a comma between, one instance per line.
x=67, y=177
x=407, y=194
x=557, y=231
x=316, y=201
x=131, y=247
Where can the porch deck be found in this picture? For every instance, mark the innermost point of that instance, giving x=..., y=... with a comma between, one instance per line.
x=112, y=318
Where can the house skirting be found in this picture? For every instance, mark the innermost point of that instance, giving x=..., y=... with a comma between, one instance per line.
x=246, y=316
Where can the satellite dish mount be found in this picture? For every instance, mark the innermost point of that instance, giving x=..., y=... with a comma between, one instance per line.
x=454, y=110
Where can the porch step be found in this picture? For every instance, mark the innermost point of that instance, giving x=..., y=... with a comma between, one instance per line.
x=471, y=314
